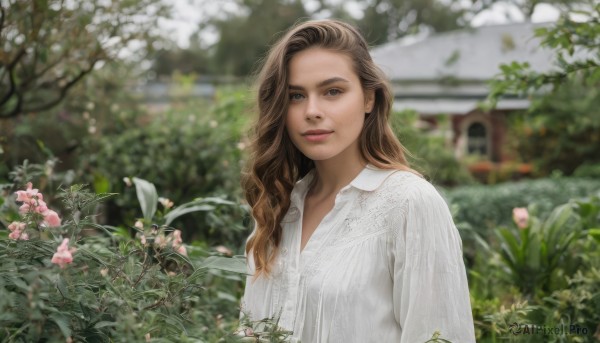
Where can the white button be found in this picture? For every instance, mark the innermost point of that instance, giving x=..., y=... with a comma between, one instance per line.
x=284, y=251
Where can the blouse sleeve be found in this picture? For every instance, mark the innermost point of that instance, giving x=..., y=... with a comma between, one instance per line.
x=430, y=290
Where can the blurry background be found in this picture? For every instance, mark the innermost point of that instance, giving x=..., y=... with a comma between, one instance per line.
x=100, y=91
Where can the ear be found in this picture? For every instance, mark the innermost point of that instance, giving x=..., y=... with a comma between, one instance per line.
x=369, y=100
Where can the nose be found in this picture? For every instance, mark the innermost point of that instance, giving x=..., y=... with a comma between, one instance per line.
x=313, y=109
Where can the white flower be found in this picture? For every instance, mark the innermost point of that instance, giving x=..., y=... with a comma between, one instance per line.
x=165, y=202
x=127, y=181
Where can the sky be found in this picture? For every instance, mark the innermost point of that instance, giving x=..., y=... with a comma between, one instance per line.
x=188, y=13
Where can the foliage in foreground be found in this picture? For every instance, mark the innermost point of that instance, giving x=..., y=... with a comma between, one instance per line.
x=539, y=280
x=102, y=285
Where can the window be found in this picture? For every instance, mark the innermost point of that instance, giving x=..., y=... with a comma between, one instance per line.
x=477, y=140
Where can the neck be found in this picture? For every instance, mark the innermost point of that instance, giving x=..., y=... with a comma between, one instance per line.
x=333, y=175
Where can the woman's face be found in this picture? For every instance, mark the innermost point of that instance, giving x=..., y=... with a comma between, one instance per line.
x=327, y=105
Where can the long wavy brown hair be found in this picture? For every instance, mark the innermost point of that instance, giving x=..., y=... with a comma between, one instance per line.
x=275, y=163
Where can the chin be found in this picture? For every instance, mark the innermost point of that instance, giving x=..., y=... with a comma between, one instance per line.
x=319, y=156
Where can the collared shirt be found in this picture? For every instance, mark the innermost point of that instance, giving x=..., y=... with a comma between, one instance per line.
x=384, y=265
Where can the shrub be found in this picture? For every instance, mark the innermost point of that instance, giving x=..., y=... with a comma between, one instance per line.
x=430, y=152
x=100, y=284
x=541, y=272
x=588, y=170
x=485, y=207
x=186, y=152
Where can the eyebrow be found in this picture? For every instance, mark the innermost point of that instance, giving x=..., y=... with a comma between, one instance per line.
x=322, y=83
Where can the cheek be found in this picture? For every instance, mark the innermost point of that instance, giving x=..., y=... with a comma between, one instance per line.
x=288, y=122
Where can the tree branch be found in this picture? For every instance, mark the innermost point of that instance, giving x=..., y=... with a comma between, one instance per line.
x=64, y=90
x=2, y=18
x=11, y=77
x=43, y=71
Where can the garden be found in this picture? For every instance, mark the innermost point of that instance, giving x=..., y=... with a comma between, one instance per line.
x=124, y=222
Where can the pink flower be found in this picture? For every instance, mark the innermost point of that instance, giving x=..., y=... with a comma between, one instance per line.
x=19, y=226
x=18, y=235
x=51, y=218
x=22, y=196
x=27, y=194
x=24, y=208
x=32, y=200
x=181, y=250
x=177, y=237
x=178, y=243
x=41, y=206
x=17, y=229
x=63, y=254
x=521, y=217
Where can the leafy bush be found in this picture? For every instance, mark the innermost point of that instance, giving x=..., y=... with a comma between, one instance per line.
x=542, y=272
x=101, y=285
x=560, y=131
x=485, y=207
x=537, y=257
x=430, y=152
x=587, y=170
x=187, y=153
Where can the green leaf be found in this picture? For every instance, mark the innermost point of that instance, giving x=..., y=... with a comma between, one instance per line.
x=185, y=209
x=20, y=283
x=62, y=286
x=101, y=184
x=595, y=233
x=196, y=275
x=103, y=324
x=62, y=322
x=511, y=245
x=236, y=265
x=216, y=200
x=227, y=296
x=147, y=196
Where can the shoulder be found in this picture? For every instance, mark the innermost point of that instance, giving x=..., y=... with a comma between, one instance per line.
x=406, y=186
x=412, y=201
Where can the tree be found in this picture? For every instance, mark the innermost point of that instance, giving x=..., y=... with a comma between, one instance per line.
x=387, y=20
x=246, y=34
x=48, y=46
x=560, y=131
x=527, y=7
x=566, y=37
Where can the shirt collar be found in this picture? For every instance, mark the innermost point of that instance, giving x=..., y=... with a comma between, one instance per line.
x=371, y=177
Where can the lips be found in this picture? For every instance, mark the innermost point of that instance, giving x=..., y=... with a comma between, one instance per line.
x=316, y=132
x=317, y=135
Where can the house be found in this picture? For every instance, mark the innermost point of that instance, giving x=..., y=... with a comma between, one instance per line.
x=447, y=74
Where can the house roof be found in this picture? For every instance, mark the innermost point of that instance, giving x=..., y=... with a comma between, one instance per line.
x=468, y=54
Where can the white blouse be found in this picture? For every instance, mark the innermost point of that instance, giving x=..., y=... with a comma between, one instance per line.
x=384, y=265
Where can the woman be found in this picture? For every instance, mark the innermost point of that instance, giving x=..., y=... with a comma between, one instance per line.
x=349, y=244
